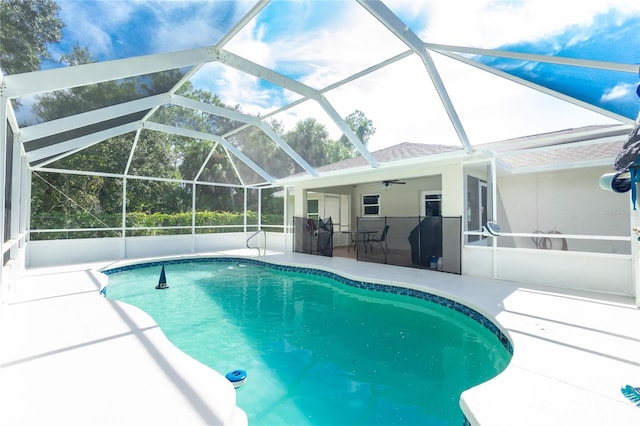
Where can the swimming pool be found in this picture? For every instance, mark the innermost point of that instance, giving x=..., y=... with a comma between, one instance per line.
x=319, y=348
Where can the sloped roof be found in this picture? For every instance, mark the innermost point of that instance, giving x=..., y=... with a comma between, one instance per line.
x=564, y=157
x=403, y=151
x=565, y=149
x=566, y=136
x=571, y=148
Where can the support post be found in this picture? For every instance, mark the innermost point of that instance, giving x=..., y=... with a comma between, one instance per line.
x=635, y=253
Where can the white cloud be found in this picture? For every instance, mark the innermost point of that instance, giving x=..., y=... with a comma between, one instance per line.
x=493, y=23
x=83, y=27
x=165, y=25
x=617, y=92
x=183, y=25
x=401, y=100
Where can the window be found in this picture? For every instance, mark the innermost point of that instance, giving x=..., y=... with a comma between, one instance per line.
x=431, y=204
x=476, y=206
x=371, y=205
x=312, y=210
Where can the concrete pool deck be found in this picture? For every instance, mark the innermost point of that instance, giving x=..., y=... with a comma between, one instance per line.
x=69, y=356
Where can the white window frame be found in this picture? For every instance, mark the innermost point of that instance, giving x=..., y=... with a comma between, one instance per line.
x=479, y=208
x=365, y=206
x=315, y=215
x=423, y=199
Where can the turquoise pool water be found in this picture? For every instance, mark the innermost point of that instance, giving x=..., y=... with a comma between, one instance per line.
x=317, y=351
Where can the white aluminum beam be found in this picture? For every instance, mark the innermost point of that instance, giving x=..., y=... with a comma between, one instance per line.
x=134, y=177
x=249, y=67
x=257, y=8
x=538, y=87
x=383, y=14
x=209, y=137
x=369, y=70
x=132, y=151
x=206, y=160
x=243, y=118
x=5, y=105
x=81, y=142
x=347, y=131
x=65, y=124
x=558, y=60
x=343, y=82
x=80, y=172
x=285, y=146
x=271, y=76
x=213, y=109
x=64, y=78
x=54, y=158
x=11, y=117
x=234, y=166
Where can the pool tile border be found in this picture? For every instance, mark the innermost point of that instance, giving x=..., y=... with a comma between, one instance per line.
x=385, y=288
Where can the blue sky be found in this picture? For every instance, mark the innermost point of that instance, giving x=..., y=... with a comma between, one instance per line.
x=320, y=42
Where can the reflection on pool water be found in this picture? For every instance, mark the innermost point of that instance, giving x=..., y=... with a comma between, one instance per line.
x=317, y=351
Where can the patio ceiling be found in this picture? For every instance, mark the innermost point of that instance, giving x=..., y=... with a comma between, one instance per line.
x=277, y=76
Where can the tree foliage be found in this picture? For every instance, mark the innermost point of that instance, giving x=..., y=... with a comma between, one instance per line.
x=27, y=27
x=309, y=138
x=362, y=127
x=160, y=155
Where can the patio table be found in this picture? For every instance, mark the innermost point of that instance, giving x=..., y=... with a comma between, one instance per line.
x=360, y=236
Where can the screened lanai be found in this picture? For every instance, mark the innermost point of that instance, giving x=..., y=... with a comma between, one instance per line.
x=193, y=118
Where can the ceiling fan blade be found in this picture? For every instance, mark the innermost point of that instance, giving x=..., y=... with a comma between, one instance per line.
x=387, y=183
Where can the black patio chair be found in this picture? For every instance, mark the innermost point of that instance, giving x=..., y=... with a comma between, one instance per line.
x=380, y=239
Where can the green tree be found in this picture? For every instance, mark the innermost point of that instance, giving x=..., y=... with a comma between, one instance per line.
x=154, y=155
x=309, y=139
x=27, y=27
x=67, y=102
x=162, y=155
x=191, y=154
x=362, y=127
x=264, y=151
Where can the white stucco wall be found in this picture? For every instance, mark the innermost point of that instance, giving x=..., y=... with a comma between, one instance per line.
x=569, y=202
x=398, y=200
x=67, y=252
x=602, y=273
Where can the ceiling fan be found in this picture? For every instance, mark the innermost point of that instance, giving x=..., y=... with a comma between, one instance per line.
x=389, y=182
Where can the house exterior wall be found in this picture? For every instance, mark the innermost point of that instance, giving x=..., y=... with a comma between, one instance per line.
x=569, y=202
x=453, y=190
x=397, y=200
x=404, y=200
